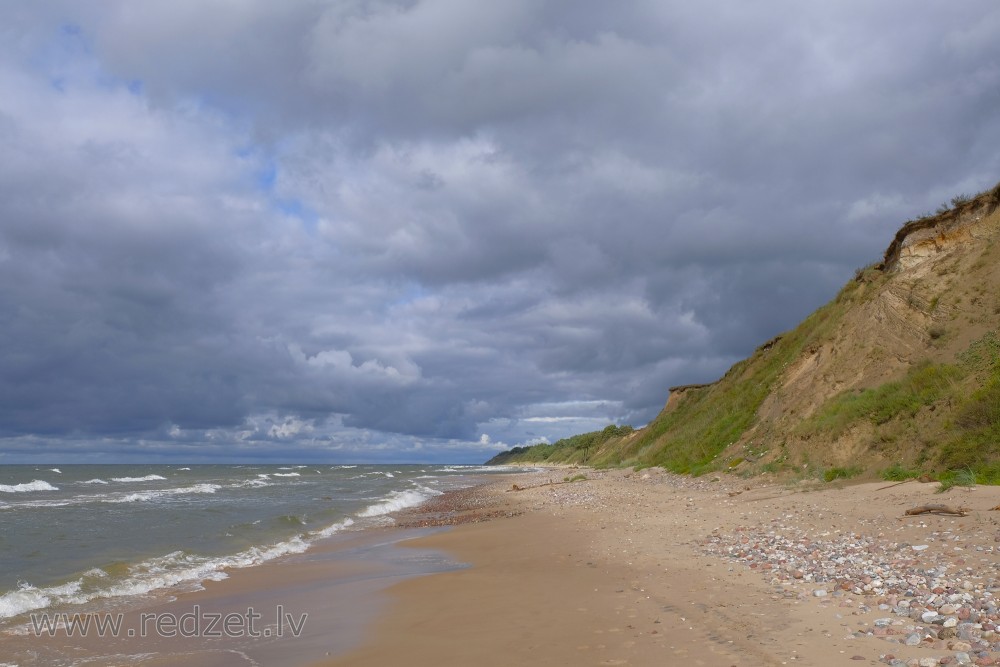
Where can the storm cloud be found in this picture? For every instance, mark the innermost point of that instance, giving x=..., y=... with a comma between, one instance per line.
x=416, y=230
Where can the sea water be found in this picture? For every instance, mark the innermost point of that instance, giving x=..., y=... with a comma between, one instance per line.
x=94, y=534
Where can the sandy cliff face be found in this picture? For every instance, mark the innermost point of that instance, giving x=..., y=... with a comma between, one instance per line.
x=934, y=293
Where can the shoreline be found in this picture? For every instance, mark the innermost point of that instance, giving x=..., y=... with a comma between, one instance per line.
x=649, y=568
x=623, y=567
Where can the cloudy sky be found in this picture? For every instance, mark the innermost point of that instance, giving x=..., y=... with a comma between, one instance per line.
x=426, y=230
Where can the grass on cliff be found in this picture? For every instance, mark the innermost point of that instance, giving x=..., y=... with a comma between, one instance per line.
x=575, y=449
x=688, y=438
x=923, y=385
x=970, y=444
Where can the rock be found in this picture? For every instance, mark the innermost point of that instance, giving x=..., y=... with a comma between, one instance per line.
x=912, y=639
x=820, y=593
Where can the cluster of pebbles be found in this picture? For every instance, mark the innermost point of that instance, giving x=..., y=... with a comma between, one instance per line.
x=933, y=599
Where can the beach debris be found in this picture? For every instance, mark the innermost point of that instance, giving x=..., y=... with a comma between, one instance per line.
x=937, y=508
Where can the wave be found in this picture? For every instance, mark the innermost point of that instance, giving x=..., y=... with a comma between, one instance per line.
x=173, y=569
x=398, y=500
x=56, y=470
x=96, y=480
x=286, y=474
x=250, y=484
x=184, y=468
x=36, y=485
x=147, y=478
x=143, y=496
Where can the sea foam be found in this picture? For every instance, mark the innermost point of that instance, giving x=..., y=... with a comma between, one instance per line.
x=398, y=500
x=147, y=478
x=36, y=485
x=173, y=569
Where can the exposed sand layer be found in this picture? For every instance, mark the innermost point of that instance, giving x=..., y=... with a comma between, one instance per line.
x=648, y=568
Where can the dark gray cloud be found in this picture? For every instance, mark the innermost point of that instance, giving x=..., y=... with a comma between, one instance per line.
x=427, y=230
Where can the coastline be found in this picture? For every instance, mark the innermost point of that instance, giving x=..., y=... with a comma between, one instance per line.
x=623, y=567
x=649, y=568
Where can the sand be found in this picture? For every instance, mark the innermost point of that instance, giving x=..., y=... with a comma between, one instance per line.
x=648, y=568
x=621, y=568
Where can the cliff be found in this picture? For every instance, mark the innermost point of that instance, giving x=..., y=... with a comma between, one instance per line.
x=901, y=369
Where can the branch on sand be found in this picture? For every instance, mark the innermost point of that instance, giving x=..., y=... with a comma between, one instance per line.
x=515, y=487
x=937, y=509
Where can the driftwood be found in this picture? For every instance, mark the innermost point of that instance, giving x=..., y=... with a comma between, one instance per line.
x=882, y=488
x=515, y=487
x=937, y=509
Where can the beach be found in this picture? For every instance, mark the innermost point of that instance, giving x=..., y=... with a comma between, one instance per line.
x=619, y=567
x=650, y=568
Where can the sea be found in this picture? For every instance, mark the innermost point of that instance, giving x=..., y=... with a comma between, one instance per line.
x=95, y=534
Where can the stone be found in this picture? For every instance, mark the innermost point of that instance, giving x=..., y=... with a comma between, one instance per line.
x=912, y=639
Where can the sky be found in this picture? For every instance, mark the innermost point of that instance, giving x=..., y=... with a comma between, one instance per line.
x=430, y=230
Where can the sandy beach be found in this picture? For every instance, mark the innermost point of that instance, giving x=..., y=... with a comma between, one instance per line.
x=649, y=568
x=619, y=568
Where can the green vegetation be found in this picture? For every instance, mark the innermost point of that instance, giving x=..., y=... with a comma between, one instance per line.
x=923, y=385
x=897, y=472
x=841, y=473
x=953, y=478
x=575, y=449
x=942, y=415
x=575, y=478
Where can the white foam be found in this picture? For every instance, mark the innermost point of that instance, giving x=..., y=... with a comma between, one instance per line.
x=184, y=468
x=251, y=484
x=143, y=496
x=28, y=598
x=333, y=529
x=56, y=470
x=398, y=500
x=147, y=478
x=286, y=474
x=36, y=485
x=172, y=569
x=96, y=480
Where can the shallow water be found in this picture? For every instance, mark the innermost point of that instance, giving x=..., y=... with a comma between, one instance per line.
x=83, y=534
